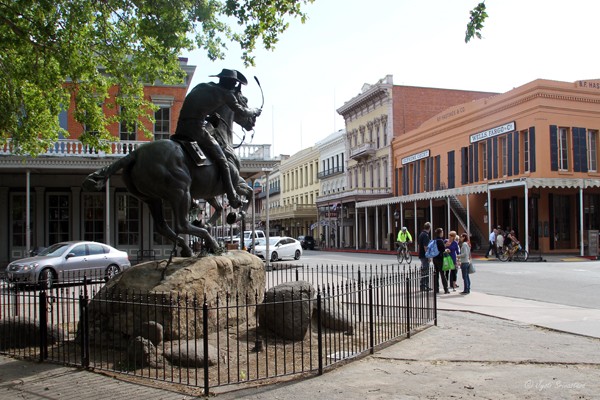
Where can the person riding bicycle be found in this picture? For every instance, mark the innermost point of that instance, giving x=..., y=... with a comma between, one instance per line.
x=514, y=243
x=403, y=238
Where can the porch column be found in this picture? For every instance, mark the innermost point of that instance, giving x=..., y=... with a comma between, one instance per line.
x=107, y=218
x=489, y=207
x=431, y=214
x=526, y=218
x=468, y=219
x=416, y=227
x=366, y=228
x=389, y=225
x=28, y=212
x=448, y=207
x=376, y=235
x=581, y=252
x=356, y=239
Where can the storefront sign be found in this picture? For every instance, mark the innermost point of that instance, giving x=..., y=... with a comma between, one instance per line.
x=415, y=157
x=499, y=130
x=589, y=84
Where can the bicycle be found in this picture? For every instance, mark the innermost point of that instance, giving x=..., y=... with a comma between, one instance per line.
x=403, y=253
x=515, y=253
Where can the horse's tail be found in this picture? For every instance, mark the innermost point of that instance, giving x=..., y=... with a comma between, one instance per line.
x=96, y=180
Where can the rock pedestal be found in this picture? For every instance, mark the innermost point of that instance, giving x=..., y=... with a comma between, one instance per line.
x=148, y=294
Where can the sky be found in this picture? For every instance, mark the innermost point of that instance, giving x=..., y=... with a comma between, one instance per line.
x=318, y=66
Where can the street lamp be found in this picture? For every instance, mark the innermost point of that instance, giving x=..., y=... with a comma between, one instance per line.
x=396, y=217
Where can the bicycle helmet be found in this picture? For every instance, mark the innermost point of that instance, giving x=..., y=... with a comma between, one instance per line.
x=403, y=229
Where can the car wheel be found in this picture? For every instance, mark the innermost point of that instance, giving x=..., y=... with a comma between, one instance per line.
x=297, y=255
x=112, y=271
x=47, y=278
x=274, y=256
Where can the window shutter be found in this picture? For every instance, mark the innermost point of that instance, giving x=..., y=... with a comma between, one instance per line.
x=431, y=187
x=576, y=148
x=451, y=169
x=515, y=153
x=437, y=172
x=464, y=167
x=416, y=177
x=471, y=165
x=475, y=163
x=532, y=149
x=495, y=158
x=553, y=148
x=489, y=153
x=509, y=149
x=583, y=150
x=396, y=188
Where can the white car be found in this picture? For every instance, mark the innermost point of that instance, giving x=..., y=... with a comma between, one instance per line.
x=280, y=247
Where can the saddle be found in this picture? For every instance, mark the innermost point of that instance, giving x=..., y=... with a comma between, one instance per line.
x=193, y=151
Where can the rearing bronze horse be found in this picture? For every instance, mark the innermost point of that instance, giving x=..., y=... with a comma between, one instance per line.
x=161, y=171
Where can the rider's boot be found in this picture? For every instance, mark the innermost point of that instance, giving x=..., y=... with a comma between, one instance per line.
x=234, y=200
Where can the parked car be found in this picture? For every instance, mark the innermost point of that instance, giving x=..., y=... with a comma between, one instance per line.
x=66, y=260
x=307, y=242
x=280, y=247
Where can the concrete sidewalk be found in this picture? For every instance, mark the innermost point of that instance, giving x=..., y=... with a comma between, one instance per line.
x=484, y=346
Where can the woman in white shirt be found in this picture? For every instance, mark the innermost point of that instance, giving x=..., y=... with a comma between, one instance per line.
x=465, y=261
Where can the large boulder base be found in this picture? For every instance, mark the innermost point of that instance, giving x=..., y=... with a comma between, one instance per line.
x=287, y=309
x=148, y=294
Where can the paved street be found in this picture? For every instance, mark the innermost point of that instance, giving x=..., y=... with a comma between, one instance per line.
x=494, y=343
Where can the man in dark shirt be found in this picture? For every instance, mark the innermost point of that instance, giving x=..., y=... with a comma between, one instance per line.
x=204, y=100
x=423, y=241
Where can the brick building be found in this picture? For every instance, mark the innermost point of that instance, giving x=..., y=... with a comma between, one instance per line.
x=526, y=159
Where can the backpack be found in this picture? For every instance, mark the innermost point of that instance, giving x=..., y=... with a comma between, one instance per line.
x=432, y=249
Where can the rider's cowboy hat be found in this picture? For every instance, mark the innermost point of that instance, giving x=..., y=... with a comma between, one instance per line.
x=232, y=74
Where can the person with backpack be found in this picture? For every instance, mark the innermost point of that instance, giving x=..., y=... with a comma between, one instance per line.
x=438, y=259
x=422, y=242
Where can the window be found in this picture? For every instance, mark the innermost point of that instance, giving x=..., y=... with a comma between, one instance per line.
x=503, y=156
x=592, y=146
x=59, y=209
x=162, y=124
x=93, y=217
x=18, y=216
x=525, y=150
x=483, y=164
x=126, y=130
x=563, y=149
x=128, y=220
x=377, y=135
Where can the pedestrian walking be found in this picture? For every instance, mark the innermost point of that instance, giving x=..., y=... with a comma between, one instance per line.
x=438, y=262
x=453, y=249
x=465, y=262
x=422, y=242
x=492, y=247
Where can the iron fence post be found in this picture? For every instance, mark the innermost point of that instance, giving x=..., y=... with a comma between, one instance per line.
x=359, y=297
x=43, y=325
x=435, y=321
x=84, y=325
x=319, y=334
x=205, y=344
x=371, y=322
x=408, y=308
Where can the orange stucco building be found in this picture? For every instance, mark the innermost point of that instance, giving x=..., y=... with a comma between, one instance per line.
x=526, y=159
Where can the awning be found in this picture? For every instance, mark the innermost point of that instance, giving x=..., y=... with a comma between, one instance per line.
x=438, y=194
x=483, y=188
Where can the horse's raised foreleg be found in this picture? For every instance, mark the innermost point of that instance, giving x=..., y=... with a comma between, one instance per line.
x=161, y=226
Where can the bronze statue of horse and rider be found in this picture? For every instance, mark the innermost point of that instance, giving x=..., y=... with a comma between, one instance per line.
x=162, y=171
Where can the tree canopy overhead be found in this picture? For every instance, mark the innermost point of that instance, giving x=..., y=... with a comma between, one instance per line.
x=95, y=45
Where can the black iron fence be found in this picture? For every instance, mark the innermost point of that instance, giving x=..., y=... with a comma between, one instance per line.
x=339, y=313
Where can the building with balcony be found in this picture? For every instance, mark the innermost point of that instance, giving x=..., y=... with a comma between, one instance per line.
x=333, y=222
x=525, y=160
x=296, y=210
x=44, y=203
x=381, y=112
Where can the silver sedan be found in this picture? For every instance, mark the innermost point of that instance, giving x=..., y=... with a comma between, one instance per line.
x=68, y=261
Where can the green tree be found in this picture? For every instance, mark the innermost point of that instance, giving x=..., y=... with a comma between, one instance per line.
x=95, y=45
x=478, y=16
